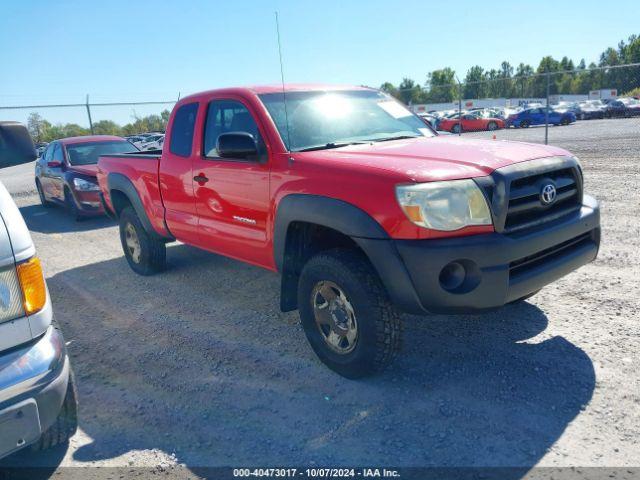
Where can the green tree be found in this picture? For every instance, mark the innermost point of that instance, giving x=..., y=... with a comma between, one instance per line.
x=107, y=127
x=409, y=92
x=442, y=86
x=474, y=83
x=391, y=89
x=38, y=127
x=523, y=80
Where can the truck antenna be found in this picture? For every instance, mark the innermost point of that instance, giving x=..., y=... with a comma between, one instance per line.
x=284, y=95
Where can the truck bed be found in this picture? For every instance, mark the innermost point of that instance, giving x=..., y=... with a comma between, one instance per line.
x=141, y=169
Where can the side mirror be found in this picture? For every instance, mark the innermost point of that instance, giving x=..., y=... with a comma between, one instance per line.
x=54, y=164
x=236, y=145
x=16, y=146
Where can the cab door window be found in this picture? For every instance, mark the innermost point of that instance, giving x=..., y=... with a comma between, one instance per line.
x=224, y=116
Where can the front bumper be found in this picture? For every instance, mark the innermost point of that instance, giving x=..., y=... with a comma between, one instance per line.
x=496, y=268
x=33, y=385
x=89, y=202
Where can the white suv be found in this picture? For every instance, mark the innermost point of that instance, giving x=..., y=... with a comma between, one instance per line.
x=37, y=393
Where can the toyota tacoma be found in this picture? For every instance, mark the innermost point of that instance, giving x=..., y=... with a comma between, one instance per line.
x=362, y=208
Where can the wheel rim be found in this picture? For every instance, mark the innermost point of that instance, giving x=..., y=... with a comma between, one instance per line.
x=133, y=244
x=335, y=317
x=492, y=125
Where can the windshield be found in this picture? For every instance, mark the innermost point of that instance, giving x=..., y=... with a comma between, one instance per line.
x=88, y=153
x=328, y=119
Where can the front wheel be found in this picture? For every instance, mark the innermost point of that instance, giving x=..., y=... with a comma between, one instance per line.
x=72, y=208
x=524, y=124
x=491, y=126
x=145, y=254
x=43, y=200
x=346, y=314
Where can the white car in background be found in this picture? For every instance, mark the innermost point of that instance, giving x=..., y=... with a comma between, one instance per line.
x=37, y=392
x=154, y=142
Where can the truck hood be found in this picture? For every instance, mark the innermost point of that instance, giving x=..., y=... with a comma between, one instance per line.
x=90, y=170
x=436, y=158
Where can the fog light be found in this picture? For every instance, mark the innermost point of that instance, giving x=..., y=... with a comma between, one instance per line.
x=460, y=276
x=452, y=276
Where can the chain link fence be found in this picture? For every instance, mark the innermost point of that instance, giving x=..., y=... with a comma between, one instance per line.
x=535, y=107
x=48, y=120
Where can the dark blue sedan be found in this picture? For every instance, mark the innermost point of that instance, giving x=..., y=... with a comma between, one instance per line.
x=536, y=116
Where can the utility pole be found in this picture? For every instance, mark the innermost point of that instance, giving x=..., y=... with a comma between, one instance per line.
x=89, y=114
x=459, y=106
x=546, y=113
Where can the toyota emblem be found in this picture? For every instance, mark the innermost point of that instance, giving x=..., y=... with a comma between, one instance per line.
x=548, y=194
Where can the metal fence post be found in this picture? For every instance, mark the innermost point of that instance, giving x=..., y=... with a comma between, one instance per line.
x=459, y=106
x=89, y=114
x=546, y=113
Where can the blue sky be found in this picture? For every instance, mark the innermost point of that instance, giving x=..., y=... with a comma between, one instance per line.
x=55, y=52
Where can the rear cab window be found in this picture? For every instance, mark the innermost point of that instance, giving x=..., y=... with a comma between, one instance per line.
x=184, y=121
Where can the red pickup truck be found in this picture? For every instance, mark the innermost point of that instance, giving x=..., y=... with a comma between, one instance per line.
x=364, y=210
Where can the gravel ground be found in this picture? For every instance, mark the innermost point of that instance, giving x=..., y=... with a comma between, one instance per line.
x=197, y=366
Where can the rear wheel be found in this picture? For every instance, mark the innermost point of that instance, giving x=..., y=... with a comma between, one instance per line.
x=564, y=121
x=43, y=200
x=456, y=128
x=346, y=314
x=524, y=124
x=492, y=126
x=145, y=253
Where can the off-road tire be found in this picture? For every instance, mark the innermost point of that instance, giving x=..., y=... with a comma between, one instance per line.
x=66, y=423
x=153, y=251
x=379, y=324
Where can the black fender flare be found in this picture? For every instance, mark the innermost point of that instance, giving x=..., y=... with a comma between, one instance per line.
x=353, y=222
x=119, y=182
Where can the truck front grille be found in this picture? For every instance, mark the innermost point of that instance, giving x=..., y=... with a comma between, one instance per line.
x=524, y=203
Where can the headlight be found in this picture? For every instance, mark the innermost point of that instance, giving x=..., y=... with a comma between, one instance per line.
x=445, y=206
x=10, y=295
x=85, y=186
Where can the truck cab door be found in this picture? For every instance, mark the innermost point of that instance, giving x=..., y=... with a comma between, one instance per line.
x=232, y=195
x=176, y=177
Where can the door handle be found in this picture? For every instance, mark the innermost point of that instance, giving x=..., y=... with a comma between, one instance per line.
x=201, y=179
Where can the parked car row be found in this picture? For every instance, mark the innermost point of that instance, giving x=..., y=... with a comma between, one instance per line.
x=563, y=113
x=147, y=141
x=610, y=108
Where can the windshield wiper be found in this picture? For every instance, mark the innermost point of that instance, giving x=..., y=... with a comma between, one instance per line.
x=329, y=145
x=398, y=137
